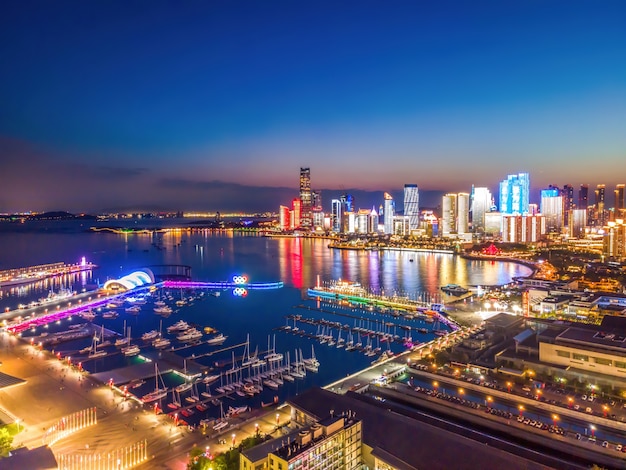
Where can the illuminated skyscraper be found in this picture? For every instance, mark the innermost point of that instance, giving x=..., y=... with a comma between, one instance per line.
x=305, y=198
x=552, y=209
x=619, y=200
x=515, y=194
x=481, y=204
x=285, y=218
x=568, y=202
x=583, y=196
x=411, y=205
x=462, y=213
x=448, y=214
x=335, y=215
x=389, y=213
x=600, y=214
x=296, y=213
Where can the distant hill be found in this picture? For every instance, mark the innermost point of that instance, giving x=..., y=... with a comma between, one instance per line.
x=60, y=215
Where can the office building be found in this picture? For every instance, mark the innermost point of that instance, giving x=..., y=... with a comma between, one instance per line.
x=482, y=200
x=522, y=228
x=372, y=221
x=515, y=194
x=455, y=214
x=600, y=216
x=614, y=242
x=284, y=214
x=296, y=214
x=568, y=202
x=577, y=223
x=306, y=199
x=552, y=209
x=583, y=197
x=389, y=214
x=411, y=205
x=335, y=215
x=493, y=223
x=331, y=443
x=619, y=200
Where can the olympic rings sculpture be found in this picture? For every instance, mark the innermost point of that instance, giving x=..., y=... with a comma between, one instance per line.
x=240, y=279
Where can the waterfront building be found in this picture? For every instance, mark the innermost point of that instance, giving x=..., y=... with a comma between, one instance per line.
x=401, y=225
x=455, y=214
x=411, y=205
x=493, y=223
x=614, y=246
x=482, y=201
x=372, y=221
x=619, y=200
x=389, y=213
x=515, y=194
x=349, y=220
x=577, y=223
x=552, y=209
x=331, y=443
x=362, y=221
x=335, y=215
x=318, y=219
x=588, y=354
x=305, y=219
x=296, y=214
x=284, y=218
x=523, y=228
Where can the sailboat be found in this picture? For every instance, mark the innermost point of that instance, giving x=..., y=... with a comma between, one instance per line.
x=160, y=390
x=175, y=403
x=131, y=349
x=124, y=340
x=273, y=356
x=94, y=347
x=222, y=423
x=185, y=385
x=161, y=342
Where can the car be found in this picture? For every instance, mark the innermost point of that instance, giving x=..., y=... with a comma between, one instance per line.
x=577, y=407
x=584, y=398
x=588, y=410
x=526, y=389
x=533, y=423
x=526, y=421
x=520, y=419
x=592, y=438
x=578, y=436
x=605, y=443
x=591, y=398
x=619, y=447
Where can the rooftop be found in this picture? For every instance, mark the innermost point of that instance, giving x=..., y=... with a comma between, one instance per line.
x=399, y=439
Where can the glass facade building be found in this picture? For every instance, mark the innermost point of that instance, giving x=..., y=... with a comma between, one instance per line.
x=515, y=194
x=411, y=205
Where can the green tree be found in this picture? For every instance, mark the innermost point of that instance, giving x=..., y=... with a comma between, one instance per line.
x=6, y=442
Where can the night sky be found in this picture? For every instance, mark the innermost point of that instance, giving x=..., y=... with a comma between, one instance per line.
x=215, y=105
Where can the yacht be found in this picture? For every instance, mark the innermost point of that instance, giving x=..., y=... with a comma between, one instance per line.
x=180, y=325
x=216, y=340
x=191, y=334
x=150, y=335
x=133, y=309
x=161, y=343
x=131, y=350
x=163, y=310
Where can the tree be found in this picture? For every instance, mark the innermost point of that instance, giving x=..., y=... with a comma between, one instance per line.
x=6, y=442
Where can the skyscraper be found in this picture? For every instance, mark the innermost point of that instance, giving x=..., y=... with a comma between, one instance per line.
x=583, y=196
x=619, y=200
x=552, y=208
x=335, y=215
x=389, y=213
x=515, y=194
x=600, y=215
x=481, y=204
x=448, y=214
x=305, y=198
x=568, y=202
x=411, y=205
x=462, y=213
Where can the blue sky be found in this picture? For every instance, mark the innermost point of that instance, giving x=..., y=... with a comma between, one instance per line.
x=105, y=104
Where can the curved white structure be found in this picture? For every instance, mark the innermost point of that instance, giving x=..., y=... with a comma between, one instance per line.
x=131, y=281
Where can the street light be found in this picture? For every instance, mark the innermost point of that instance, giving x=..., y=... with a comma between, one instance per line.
x=488, y=401
x=555, y=418
x=233, y=436
x=435, y=385
x=256, y=429
x=605, y=410
x=277, y=418
x=521, y=410
x=461, y=391
x=593, y=430
x=570, y=401
x=508, y=386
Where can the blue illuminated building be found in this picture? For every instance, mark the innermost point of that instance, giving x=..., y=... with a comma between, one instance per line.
x=514, y=194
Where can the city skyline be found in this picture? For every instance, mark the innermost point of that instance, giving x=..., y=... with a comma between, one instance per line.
x=215, y=107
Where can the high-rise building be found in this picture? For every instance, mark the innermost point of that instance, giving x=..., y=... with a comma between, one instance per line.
x=335, y=215
x=411, y=205
x=462, y=213
x=455, y=214
x=389, y=213
x=481, y=204
x=552, y=209
x=515, y=194
x=568, y=202
x=615, y=240
x=331, y=443
x=306, y=221
x=372, y=221
x=583, y=196
x=522, y=228
x=316, y=199
x=448, y=214
x=284, y=218
x=600, y=208
x=619, y=200
x=296, y=213
x=577, y=223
